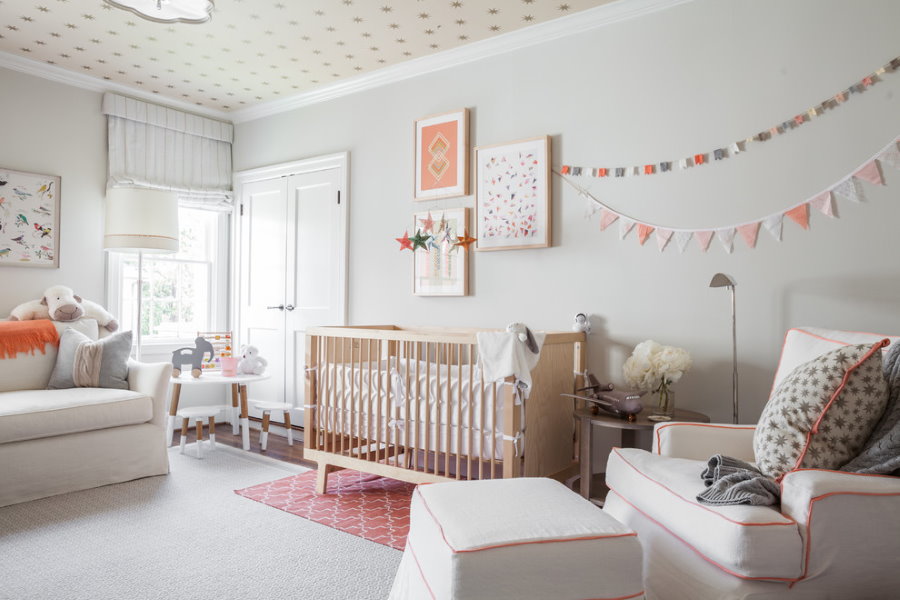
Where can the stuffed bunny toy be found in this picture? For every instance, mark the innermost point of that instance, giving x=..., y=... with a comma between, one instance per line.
x=251, y=362
x=525, y=336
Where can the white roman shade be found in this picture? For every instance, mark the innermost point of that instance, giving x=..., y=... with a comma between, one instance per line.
x=161, y=148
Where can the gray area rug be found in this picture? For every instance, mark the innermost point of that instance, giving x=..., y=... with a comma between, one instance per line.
x=185, y=535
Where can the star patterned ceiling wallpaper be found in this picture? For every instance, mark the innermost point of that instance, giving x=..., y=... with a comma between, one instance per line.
x=252, y=51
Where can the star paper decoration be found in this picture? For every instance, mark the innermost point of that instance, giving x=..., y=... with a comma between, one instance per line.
x=419, y=240
x=427, y=223
x=405, y=242
x=465, y=240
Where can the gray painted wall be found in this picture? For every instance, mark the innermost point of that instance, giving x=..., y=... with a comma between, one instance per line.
x=51, y=128
x=683, y=80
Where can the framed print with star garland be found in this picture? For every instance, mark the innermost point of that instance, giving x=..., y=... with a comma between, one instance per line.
x=441, y=267
x=442, y=155
x=512, y=195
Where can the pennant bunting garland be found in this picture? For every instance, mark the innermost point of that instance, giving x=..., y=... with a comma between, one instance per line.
x=726, y=236
x=799, y=215
x=607, y=218
x=848, y=188
x=720, y=153
x=750, y=233
x=774, y=224
x=870, y=173
x=662, y=238
x=824, y=203
x=682, y=238
x=644, y=232
x=704, y=238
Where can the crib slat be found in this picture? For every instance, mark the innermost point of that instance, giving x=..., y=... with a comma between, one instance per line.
x=470, y=449
x=427, y=383
x=407, y=346
x=448, y=445
x=493, y=431
x=368, y=415
x=481, y=427
x=417, y=405
x=459, y=423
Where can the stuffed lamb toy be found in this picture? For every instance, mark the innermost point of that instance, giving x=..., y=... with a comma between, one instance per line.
x=525, y=336
x=60, y=303
x=251, y=362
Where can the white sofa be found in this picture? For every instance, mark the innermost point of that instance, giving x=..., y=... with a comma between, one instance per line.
x=57, y=441
x=835, y=535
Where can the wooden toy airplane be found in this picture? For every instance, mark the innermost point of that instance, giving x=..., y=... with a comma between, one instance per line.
x=624, y=404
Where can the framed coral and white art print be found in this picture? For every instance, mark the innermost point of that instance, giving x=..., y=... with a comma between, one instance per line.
x=512, y=195
x=441, y=267
x=442, y=155
x=29, y=219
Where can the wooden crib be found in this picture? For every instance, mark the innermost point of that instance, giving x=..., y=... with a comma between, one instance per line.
x=411, y=404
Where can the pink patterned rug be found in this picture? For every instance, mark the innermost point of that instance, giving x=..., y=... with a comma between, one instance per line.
x=368, y=506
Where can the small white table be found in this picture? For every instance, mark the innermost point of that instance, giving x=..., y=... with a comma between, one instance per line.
x=238, y=385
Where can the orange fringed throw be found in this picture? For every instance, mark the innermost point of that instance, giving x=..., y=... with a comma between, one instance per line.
x=26, y=336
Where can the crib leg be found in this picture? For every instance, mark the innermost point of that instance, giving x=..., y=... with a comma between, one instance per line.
x=322, y=477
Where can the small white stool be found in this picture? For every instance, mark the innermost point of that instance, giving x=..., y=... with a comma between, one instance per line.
x=514, y=539
x=197, y=414
x=267, y=408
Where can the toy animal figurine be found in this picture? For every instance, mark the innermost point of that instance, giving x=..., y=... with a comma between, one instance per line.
x=582, y=323
x=251, y=362
x=602, y=395
x=192, y=356
x=524, y=334
x=60, y=303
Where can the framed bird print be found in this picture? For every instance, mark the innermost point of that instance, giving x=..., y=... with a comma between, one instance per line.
x=29, y=219
x=442, y=155
x=440, y=252
x=512, y=195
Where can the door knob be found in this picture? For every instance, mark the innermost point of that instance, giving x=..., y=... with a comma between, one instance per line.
x=279, y=307
x=289, y=307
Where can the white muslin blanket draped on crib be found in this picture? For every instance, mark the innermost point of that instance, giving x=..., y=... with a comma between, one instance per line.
x=502, y=354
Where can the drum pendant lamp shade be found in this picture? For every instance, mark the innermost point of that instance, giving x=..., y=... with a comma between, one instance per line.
x=141, y=220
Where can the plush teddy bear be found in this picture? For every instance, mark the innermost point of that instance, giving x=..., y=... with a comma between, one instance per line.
x=251, y=362
x=60, y=303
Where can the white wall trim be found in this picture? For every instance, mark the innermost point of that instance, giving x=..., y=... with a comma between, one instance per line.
x=95, y=84
x=528, y=36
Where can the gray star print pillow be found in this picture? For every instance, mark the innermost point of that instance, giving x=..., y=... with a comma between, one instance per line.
x=822, y=414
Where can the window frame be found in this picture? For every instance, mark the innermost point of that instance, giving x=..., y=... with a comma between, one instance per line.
x=219, y=290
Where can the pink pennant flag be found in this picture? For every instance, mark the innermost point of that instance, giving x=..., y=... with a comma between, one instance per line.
x=662, y=238
x=704, y=238
x=607, y=218
x=824, y=203
x=799, y=215
x=869, y=172
x=750, y=233
x=644, y=232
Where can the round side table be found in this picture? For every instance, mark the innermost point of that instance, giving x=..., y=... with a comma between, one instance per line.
x=629, y=429
x=238, y=385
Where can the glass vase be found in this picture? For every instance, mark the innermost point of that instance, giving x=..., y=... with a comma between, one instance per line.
x=665, y=406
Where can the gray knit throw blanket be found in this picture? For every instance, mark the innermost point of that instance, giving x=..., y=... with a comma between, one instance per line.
x=733, y=481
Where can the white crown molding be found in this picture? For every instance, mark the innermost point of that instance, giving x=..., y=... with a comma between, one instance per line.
x=579, y=22
x=95, y=84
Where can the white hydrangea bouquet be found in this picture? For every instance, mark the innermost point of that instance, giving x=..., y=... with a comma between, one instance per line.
x=653, y=367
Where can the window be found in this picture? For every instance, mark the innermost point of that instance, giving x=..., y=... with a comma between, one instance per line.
x=181, y=293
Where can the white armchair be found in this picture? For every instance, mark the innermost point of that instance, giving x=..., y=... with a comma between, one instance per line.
x=835, y=535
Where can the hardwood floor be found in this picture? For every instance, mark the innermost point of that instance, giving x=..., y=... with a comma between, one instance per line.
x=277, y=447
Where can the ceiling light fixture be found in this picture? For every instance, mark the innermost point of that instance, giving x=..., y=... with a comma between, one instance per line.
x=168, y=11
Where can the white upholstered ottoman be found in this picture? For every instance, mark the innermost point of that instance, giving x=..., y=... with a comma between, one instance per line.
x=514, y=539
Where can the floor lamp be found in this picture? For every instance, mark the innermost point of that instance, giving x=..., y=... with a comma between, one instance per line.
x=138, y=221
x=727, y=281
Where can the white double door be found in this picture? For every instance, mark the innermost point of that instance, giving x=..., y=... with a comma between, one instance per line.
x=292, y=257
